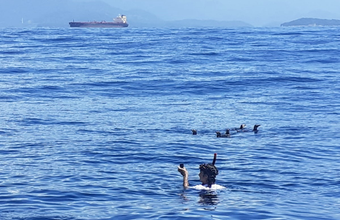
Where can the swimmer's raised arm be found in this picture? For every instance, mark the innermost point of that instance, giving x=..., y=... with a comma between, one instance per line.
x=185, y=175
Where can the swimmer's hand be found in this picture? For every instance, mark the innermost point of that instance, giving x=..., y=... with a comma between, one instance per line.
x=183, y=171
x=185, y=175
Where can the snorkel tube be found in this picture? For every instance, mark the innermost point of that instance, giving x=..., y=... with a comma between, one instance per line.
x=214, y=160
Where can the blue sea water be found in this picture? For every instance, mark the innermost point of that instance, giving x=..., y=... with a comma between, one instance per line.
x=94, y=123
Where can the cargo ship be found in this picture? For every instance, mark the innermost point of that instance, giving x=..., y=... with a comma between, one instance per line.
x=118, y=22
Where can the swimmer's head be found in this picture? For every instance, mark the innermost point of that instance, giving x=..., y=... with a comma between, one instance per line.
x=210, y=171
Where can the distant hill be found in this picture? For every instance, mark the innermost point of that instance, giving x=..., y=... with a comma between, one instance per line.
x=52, y=13
x=207, y=23
x=58, y=13
x=312, y=22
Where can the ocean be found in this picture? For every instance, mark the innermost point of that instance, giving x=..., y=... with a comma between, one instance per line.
x=94, y=123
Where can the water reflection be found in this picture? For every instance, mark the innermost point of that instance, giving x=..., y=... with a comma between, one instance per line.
x=205, y=197
x=208, y=198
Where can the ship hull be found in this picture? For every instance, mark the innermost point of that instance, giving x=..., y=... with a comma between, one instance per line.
x=98, y=25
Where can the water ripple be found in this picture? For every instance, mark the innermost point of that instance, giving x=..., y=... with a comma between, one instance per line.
x=94, y=126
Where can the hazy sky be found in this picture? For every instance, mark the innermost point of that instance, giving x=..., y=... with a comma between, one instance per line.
x=255, y=12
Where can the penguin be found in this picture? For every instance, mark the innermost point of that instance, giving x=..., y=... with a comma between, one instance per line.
x=226, y=135
x=241, y=128
x=255, y=128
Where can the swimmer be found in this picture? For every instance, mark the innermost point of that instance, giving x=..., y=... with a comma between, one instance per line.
x=207, y=175
x=194, y=132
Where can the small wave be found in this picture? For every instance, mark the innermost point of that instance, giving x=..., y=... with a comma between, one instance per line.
x=323, y=61
x=10, y=70
x=205, y=54
x=288, y=34
x=12, y=52
x=38, y=121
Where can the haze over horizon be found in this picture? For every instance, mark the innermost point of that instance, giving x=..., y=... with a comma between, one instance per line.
x=141, y=13
x=255, y=12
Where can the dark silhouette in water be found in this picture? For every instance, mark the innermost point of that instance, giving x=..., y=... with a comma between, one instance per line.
x=241, y=128
x=255, y=128
x=226, y=135
x=194, y=132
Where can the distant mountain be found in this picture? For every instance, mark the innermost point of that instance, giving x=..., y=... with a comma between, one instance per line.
x=312, y=22
x=58, y=13
x=207, y=23
x=52, y=13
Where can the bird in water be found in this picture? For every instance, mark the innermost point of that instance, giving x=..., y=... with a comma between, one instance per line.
x=255, y=128
x=241, y=128
x=194, y=132
x=226, y=135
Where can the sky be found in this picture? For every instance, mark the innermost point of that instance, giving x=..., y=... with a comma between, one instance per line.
x=255, y=12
